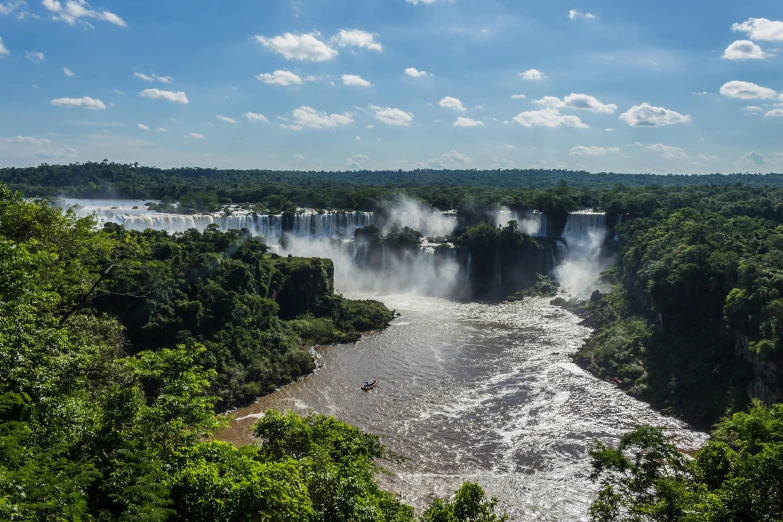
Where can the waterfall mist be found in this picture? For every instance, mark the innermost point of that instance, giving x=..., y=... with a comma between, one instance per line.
x=530, y=223
x=408, y=212
x=584, y=234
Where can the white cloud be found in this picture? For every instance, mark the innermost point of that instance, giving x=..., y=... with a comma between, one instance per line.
x=280, y=77
x=357, y=38
x=81, y=103
x=518, y=97
x=548, y=117
x=255, y=116
x=308, y=117
x=774, y=113
x=75, y=10
x=707, y=157
x=576, y=101
x=68, y=72
x=354, y=80
x=581, y=150
x=160, y=129
x=157, y=94
x=753, y=109
x=450, y=160
x=153, y=77
x=391, y=116
x=3, y=49
x=28, y=140
x=225, y=119
x=452, y=103
x=754, y=158
x=306, y=47
x=667, y=151
x=299, y=157
x=415, y=73
x=143, y=127
x=35, y=57
x=645, y=115
x=118, y=91
x=66, y=152
x=532, y=74
x=467, y=122
x=573, y=14
x=761, y=29
x=746, y=91
x=357, y=161
x=609, y=129
x=424, y=2
x=744, y=50
x=195, y=136
x=8, y=7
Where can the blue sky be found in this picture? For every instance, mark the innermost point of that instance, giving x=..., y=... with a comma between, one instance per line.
x=643, y=86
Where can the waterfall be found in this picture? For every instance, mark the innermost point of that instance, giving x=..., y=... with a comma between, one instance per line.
x=530, y=223
x=469, y=268
x=581, y=261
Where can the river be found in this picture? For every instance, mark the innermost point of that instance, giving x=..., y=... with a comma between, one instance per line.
x=474, y=391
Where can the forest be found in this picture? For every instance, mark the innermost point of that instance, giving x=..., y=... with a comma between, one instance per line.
x=119, y=347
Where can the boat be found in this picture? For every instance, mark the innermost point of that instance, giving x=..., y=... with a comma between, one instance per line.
x=369, y=385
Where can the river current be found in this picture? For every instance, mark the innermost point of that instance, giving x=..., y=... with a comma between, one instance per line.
x=474, y=391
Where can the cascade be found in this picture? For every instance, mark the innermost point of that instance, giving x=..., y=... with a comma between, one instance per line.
x=470, y=266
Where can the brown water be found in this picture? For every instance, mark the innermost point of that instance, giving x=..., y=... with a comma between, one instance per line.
x=477, y=392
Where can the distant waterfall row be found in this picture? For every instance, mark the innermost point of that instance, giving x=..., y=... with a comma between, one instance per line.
x=329, y=224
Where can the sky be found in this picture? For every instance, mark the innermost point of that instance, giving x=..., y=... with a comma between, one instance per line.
x=606, y=86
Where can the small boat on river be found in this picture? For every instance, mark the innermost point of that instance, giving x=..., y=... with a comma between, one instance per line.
x=369, y=385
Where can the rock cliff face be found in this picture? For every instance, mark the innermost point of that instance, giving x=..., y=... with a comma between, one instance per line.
x=307, y=286
x=766, y=374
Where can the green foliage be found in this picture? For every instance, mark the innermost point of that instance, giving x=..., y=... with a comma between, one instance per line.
x=469, y=505
x=735, y=476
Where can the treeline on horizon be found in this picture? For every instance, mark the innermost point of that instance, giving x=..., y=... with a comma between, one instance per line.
x=354, y=190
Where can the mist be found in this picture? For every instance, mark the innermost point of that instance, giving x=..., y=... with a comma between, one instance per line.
x=530, y=223
x=409, y=212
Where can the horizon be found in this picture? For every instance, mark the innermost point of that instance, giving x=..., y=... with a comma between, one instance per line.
x=384, y=85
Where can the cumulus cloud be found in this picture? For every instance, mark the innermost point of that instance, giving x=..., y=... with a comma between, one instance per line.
x=518, y=97
x=255, y=116
x=576, y=101
x=195, y=136
x=225, y=119
x=157, y=94
x=746, y=91
x=357, y=38
x=752, y=109
x=774, y=113
x=532, y=74
x=303, y=47
x=35, y=57
x=308, y=117
x=354, y=80
x=744, y=50
x=160, y=129
x=452, y=103
x=548, y=117
x=573, y=14
x=645, y=115
x=754, y=158
x=357, y=161
x=3, y=49
x=80, y=103
x=391, y=116
x=581, y=150
x=28, y=140
x=707, y=157
x=8, y=7
x=66, y=152
x=667, y=151
x=280, y=77
x=143, y=127
x=68, y=72
x=761, y=29
x=415, y=73
x=467, y=122
x=75, y=10
x=450, y=160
